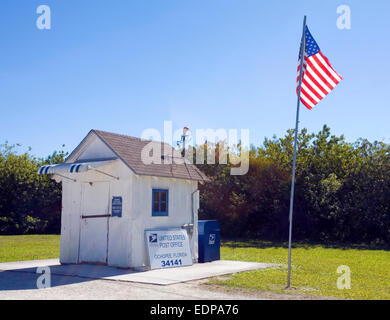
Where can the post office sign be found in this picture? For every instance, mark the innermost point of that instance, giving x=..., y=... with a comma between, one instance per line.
x=168, y=248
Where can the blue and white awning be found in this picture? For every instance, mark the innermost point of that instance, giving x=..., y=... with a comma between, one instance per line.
x=76, y=167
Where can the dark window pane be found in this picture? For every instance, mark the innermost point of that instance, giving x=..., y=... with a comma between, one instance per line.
x=160, y=202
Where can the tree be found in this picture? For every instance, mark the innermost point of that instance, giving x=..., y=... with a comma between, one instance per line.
x=342, y=191
x=29, y=203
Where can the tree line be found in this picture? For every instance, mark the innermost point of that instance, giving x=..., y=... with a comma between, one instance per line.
x=29, y=203
x=342, y=191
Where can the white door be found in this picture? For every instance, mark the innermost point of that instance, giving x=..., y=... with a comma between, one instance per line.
x=94, y=222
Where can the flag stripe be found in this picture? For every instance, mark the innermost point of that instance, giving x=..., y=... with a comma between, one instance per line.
x=312, y=90
x=325, y=68
x=307, y=103
x=318, y=91
x=328, y=81
x=310, y=73
x=307, y=95
x=317, y=85
x=332, y=71
x=318, y=76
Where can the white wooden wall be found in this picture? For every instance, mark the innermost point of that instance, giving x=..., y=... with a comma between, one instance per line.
x=126, y=240
x=119, y=241
x=179, y=212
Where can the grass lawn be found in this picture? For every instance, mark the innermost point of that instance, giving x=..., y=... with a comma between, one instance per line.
x=31, y=247
x=314, y=269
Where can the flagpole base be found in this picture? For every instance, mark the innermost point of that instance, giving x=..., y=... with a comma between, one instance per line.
x=290, y=288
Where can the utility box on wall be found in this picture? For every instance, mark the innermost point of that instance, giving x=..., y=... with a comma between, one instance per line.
x=209, y=240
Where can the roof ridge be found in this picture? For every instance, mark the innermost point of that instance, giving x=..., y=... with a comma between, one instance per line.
x=132, y=137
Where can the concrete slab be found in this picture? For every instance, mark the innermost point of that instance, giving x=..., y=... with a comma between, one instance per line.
x=23, y=286
x=159, y=277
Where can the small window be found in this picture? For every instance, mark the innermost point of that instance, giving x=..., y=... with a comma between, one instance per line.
x=160, y=202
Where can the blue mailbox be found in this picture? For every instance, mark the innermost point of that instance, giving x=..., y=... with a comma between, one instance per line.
x=209, y=240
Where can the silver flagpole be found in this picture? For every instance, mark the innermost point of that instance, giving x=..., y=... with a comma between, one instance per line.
x=303, y=44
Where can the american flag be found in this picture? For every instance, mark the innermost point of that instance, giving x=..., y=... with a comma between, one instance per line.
x=318, y=76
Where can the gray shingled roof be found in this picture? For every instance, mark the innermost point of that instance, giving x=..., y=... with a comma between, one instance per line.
x=129, y=149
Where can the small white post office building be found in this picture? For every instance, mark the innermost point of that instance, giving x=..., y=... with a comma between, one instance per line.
x=110, y=197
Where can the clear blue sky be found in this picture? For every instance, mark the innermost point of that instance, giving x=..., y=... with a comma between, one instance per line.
x=124, y=66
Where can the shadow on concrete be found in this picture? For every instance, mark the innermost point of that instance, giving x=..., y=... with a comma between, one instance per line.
x=76, y=273
x=14, y=280
x=60, y=275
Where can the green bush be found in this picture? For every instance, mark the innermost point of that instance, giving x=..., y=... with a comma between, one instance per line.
x=29, y=203
x=342, y=191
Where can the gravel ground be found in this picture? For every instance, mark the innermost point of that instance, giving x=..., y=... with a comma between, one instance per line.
x=22, y=285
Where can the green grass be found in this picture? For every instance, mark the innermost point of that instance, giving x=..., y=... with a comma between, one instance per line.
x=31, y=247
x=314, y=270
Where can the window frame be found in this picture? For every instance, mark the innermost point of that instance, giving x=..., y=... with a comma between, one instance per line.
x=160, y=213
